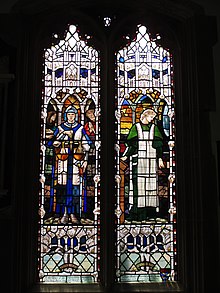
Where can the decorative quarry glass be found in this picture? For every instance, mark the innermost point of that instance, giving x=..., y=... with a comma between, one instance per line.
x=145, y=162
x=69, y=162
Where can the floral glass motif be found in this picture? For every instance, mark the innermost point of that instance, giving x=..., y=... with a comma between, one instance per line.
x=145, y=155
x=69, y=165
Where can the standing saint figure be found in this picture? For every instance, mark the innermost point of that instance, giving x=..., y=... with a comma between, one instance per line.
x=144, y=147
x=71, y=145
x=90, y=128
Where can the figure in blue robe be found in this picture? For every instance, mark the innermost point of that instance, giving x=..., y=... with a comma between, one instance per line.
x=71, y=145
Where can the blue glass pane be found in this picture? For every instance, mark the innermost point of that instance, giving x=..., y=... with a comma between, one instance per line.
x=59, y=72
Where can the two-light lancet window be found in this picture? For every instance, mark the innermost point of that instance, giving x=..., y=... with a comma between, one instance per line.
x=70, y=179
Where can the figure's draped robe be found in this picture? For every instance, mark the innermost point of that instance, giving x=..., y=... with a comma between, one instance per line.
x=146, y=170
x=65, y=171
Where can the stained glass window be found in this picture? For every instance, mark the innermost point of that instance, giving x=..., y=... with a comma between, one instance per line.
x=69, y=164
x=145, y=162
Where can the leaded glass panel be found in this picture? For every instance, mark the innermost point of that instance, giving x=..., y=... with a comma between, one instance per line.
x=69, y=165
x=145, y=162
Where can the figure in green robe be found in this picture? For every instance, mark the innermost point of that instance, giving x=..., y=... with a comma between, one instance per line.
x=144, y=148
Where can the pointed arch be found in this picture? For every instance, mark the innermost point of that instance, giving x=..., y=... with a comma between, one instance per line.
x=146, y=200
x=68, y=228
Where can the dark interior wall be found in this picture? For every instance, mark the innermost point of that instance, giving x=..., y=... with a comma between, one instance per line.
x=210, y=117
x=211, y=8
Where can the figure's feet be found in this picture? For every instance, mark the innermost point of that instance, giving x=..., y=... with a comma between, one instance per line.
x=49, y=221
x=56, y=221
x=87, y=222
x=74, y=219
x=64, y=219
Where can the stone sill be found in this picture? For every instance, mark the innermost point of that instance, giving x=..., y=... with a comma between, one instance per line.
x=123, y=287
